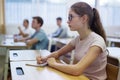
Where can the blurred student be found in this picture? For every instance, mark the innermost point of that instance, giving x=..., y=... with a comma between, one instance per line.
x=90, y=47
x=61, y=32
x=26, y=32
x=39, y=39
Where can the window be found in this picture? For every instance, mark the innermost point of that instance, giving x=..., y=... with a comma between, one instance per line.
x=18, y=1
x=17, y=10
x=110, y=11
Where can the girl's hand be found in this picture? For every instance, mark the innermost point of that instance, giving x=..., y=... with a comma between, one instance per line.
x=40, y=59
x=51, y=61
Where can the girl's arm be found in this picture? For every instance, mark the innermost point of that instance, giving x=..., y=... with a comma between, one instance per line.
x=77, y=69
x=67, y=48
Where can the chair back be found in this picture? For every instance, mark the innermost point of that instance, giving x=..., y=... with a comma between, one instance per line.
x=112, y=72
x=112, y=68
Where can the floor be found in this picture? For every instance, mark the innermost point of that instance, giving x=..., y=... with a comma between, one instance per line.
x=2, y=62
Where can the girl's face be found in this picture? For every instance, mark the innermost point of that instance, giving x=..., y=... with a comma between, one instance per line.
x=74, y=21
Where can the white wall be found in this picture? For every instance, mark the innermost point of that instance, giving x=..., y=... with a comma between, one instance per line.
x=12, y=29
x=113, y=31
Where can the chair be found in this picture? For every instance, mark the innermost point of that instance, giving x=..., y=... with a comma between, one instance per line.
x=50, y=44
x=112, y=72
x=113, y=68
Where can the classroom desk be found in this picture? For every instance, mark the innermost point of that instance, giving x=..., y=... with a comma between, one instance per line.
x=64, y=40
x=114, y=52
x=40, y=73
x=54, y=41
x=114, y=59
x=112, y=40
x=61, y=42
x=114, y=55
x=58, y=42
x=26, y=55
x=8, y=42
x=69, y=57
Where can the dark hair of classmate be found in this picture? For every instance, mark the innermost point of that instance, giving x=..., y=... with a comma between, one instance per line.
x=26, y=20
x=39, y=20
x=82, y=8
x=59, y=18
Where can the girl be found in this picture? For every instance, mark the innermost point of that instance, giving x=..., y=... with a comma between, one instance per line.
x=89, y=46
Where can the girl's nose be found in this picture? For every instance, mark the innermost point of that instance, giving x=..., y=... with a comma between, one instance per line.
x=68, y=22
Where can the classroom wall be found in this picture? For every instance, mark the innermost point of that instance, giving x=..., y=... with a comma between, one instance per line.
x=12, y=29
x=50, y=28
x=113, y=31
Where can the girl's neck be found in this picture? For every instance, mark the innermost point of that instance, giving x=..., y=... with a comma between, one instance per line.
x=84, y=34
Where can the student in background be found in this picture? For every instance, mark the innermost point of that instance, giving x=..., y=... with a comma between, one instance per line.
x=26, y=32
x=61, y=32
x=90, y=47
x=39, y=39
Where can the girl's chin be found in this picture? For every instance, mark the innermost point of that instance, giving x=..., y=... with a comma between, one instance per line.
x=72, y=29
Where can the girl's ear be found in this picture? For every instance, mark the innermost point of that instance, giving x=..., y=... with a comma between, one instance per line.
x=84, y=18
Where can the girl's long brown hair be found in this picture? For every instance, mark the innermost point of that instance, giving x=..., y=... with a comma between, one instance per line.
x=82, y=8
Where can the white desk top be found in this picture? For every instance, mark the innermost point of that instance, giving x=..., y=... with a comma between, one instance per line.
x=114, y=51
x=11, y=43
x=40, y=73
x=113, y=39
x=26, y=55
x=62, y=40
x=8, y=41
x=65, y=41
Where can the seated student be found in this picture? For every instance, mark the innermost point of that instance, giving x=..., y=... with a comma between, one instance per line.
x=90, y=48
x=39, y=39
x=61, y=32
x=26, y=32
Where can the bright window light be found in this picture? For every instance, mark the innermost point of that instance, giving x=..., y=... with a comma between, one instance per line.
x=57, y=1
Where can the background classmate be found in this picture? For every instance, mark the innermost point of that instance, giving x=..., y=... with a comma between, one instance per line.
x=90, y=48
x=39, y=39
x=26, y=32
x=61, y=32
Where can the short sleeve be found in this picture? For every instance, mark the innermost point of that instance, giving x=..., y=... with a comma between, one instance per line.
x=99, y=41
x=74, y=41
x=40, y=36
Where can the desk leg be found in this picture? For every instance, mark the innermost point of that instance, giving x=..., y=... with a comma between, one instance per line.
x=6, y=65
x=6, y=72
x=2, y=63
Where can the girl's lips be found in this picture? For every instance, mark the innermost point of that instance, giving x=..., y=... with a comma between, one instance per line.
x=69, y=25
